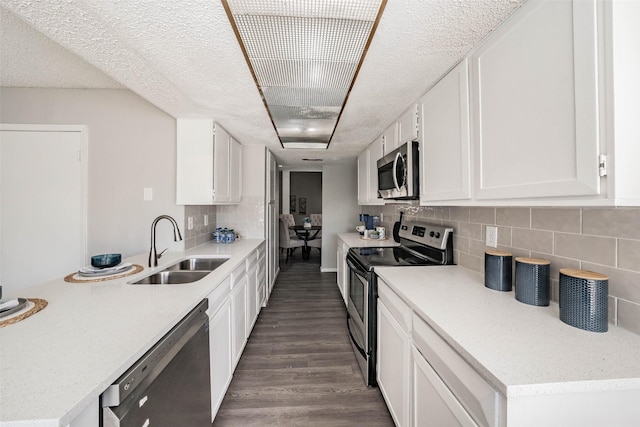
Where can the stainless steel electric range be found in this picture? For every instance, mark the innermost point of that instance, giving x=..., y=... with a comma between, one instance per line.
x=421, y=244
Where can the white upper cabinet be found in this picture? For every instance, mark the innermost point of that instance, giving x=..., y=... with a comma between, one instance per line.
x=390, y=138
x=209, y=164
x=535, y=93
x=408, y=125
x=445, y=142
x=621, y=105
x=368, y=174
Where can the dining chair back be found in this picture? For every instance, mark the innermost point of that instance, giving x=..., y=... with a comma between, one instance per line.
x=286, y=242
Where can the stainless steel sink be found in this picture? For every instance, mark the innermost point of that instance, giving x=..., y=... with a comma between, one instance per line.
x=197, y=264
x=185, y=271
x=166, y=277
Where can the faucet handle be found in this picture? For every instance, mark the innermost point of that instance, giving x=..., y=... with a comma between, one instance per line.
x=162, y=253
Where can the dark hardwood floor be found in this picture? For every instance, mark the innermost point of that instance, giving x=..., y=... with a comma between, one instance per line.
x=298, y=368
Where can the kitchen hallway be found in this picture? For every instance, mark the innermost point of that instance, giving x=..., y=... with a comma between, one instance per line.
x=298, y=368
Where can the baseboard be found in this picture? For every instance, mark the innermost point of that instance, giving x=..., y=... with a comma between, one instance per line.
x=329, y=270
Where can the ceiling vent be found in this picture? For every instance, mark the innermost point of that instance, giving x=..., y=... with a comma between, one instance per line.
x=304, y=56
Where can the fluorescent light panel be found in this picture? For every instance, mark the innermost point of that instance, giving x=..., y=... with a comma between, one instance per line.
x=306, y=145
x=304, y=56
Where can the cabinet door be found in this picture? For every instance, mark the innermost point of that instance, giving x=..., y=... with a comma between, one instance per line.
x=194, y=168
x=535, y=104
x=375, y=153
x=390, y=138
x=445, y=162
x=235, y=171
x=239, y=318
x=252, y=298
x=220, y=355
x=408, y=125
x=432, y=402
x=221, y=155
x=394, y=358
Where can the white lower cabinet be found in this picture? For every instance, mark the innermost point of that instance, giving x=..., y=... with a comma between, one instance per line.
x=252, y=297
x=238, y=312
x=461, y=393
x=220, y=343
x=432, y=402
x=422, y=379
x=394, y=353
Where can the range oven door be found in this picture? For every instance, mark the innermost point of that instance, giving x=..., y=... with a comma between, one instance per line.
x=360, y=324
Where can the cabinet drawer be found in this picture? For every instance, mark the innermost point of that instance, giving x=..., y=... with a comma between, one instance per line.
x=476, y=395
x=400, y=311
x=218, y=296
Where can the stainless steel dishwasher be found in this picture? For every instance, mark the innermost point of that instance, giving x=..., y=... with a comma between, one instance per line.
x=168, y=386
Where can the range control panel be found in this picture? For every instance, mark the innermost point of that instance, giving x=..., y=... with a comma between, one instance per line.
x=424, y=233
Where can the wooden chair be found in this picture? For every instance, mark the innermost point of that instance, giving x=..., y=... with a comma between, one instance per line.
x=286, y=242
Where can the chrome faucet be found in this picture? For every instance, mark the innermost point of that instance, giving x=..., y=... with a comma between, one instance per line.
x=153, y=254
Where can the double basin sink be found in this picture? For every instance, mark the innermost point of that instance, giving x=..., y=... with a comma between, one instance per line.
x=186, y=271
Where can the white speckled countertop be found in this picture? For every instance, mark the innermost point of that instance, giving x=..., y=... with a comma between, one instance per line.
x=56, y=362
x=354, y=240
x=520, y=349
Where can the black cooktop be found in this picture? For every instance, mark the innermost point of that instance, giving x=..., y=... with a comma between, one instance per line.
x=389, y=257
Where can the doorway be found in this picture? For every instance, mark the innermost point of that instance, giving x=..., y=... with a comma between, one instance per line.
x=305, y=194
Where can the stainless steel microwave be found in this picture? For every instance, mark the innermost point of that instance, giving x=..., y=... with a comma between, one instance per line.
x=398, y=173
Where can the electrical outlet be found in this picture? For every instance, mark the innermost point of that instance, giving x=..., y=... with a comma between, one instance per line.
x=492, y=236
x=206, y=220
x=190, y=223
x=381, y=217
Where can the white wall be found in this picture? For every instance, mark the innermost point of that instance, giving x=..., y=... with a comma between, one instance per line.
x=340, y=208
x=132, y=145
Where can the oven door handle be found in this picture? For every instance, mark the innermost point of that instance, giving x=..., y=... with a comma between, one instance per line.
x=353, y=340
x=351, y=265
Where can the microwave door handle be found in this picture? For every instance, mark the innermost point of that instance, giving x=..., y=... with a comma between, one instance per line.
x=395, y=168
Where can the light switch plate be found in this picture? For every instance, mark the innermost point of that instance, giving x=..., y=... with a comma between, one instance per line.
x=492, y=236
x=190, y=223
x=206, y=220
x=148, y=194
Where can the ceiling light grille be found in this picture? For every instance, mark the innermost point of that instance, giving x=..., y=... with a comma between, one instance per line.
x=304, y=56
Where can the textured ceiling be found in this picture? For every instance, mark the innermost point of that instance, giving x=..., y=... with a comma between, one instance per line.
x=182, y=56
